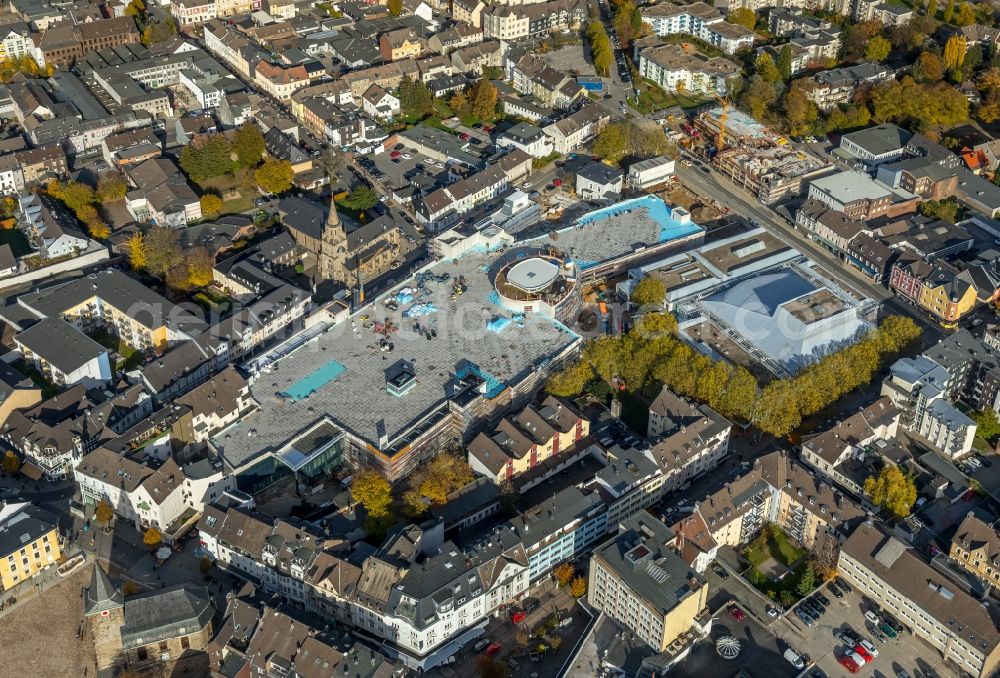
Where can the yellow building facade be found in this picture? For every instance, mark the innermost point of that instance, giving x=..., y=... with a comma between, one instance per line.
x=29, y=543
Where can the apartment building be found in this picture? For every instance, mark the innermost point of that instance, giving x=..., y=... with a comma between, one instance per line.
x=216, y=404
x=29, y=542
x=574, y=130
x=835, y=87
x=64, y=354
x=279, y=80
x=935, y=609
x=118, y=303
x=532, y=21
x=777, y=490
x=841, y=452
x=638, y=580
x=164, y=497
x=443, y=207
x=975, y=546
x=521, y=441
x=560, y=528
x=192, y=12
x=945, y=292
x=683, y=68
x=700, y=20
x=417, y=592
x=688, y=439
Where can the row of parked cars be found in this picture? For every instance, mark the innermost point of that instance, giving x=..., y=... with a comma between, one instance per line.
x=861, y=651
x=972, y=463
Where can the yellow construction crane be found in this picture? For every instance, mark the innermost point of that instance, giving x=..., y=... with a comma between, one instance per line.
x=720, y=139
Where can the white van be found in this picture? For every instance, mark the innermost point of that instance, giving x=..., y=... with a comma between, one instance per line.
x=794, y=659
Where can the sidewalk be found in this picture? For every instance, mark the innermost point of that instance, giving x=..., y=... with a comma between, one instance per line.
x=36, y=587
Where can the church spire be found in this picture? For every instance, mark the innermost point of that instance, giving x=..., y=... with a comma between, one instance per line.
x=332, y=218
x=101, y=596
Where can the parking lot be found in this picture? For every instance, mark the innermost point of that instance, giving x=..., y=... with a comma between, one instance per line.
x=819, y=641
x=399, y=170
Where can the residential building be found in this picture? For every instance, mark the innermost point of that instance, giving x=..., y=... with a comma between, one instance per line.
x=216, y=404
x=700, y=20
x=380, y=104
x=402, y=43
x=420, y=594
x=835, y=87
x=576, y=129
x=975, y=546
x=628, y=582
x=687, y=439
x=63, y=354
x=842, y=452
x=164, y=497
x=162, y=194
x=29, y=543
x=683, y=68
x=509, y=22
x=521, y=441
x=279, y=80
x=778, y=490
x=116, y=302
x=936, y=610
x=598, y=181
x=560, y=528
x=50, y=226
x=526, y=137
x=939, y=288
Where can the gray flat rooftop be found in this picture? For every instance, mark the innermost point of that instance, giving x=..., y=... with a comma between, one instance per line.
x=356, y=398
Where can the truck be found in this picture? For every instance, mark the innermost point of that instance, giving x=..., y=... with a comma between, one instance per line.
x=793, y=658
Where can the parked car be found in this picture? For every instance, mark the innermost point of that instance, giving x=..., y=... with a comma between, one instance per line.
x=887, y=630
x=794, y=658
x=843, y=585
x=737, y=613
x=868, y=645
x=531, y=604
x=858, y=659
x=848, y=638
x=863, y=652
x=835, y=590
x=849, y=664
x=872, y=617
x=720, y=571
x=984, y=460
x=823, y=599
x=481, y=645
x=804, y=616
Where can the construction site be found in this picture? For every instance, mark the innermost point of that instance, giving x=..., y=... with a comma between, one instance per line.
x=772, y=174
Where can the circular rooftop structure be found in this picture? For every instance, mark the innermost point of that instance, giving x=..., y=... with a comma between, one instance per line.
x=532, y=275
x=727, y=647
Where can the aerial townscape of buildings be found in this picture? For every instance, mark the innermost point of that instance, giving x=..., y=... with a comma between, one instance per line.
x=456, y=339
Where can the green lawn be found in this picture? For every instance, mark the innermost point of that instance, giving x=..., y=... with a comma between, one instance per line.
x=18, y=243
x=780, y=547
x=131, y=356
x=652, y=98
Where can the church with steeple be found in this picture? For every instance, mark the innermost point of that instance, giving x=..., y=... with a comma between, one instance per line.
x=339, y=248
x=156, y=627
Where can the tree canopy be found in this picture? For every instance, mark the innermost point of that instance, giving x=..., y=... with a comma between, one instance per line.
x=415, y=98
x=648, y=291
x=878, y=49
x=248, y=145
x=361, y=198
x=477, y=102
x=743, y=16
x=431, y=484
x=211, y=205
x=650, y=353
x=274, y=176
x=372, y=490
x=207, y=156
x=892, y=490
x=600, y=48
x=632, y=139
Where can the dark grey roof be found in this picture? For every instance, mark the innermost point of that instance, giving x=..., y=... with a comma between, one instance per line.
x=600, y=173
x=120, y=291
x=880, y=139
x=101, y=595
x=166, y=613
x=305, y=216
x=60, y=344
x=639, y=555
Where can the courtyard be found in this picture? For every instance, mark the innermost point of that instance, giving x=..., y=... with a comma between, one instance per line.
x=776, y=565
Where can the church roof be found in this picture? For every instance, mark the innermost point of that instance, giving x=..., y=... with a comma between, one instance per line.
x=101, y=595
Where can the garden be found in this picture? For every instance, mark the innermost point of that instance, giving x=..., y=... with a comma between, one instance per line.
x=778, y=567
